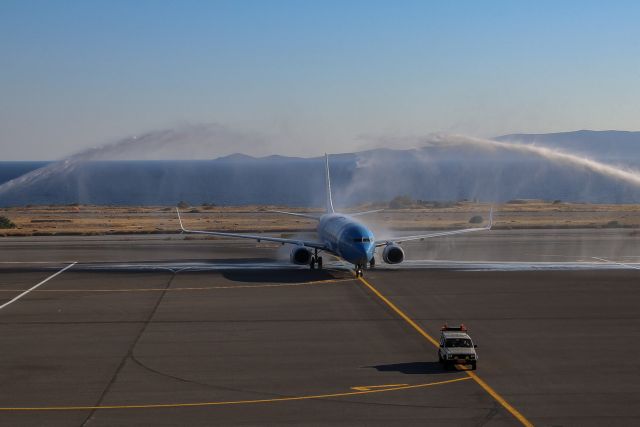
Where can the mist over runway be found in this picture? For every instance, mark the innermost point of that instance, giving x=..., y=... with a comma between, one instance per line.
x=497, y=247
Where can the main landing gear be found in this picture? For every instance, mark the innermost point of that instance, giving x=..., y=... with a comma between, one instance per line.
x=315, y=261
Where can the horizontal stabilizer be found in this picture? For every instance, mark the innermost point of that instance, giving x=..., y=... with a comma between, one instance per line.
x=365, y=212
x=317, y=218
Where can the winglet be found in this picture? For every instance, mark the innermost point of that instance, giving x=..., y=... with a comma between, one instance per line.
x=490, y=219
x=180, y=220
x=328, y=201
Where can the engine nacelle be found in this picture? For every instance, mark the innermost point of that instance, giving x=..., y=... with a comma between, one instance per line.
x=300, y=256
x=393, y=254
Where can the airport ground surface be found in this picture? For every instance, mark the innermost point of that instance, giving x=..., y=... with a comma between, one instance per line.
x=189, y=332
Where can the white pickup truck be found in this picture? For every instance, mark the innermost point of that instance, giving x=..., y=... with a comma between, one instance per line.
x=456, y=347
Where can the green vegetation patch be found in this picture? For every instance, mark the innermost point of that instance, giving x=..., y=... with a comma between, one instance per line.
x=6, y=222
x=476, y=219
x=401, y=202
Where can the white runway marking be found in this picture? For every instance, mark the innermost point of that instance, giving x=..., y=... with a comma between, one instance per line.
x=176, y=267
x=617, y=263
x=508, y=265
x=38, y=285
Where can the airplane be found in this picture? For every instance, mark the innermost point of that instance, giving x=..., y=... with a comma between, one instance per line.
x=341, y=235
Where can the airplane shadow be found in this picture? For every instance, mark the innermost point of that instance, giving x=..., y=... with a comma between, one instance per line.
x=281, y=276
x=412, y=368
x=239, y=261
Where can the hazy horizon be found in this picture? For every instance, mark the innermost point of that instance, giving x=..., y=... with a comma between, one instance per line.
x=303, y=78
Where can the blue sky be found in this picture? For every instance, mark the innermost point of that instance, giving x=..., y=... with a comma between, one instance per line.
x=312, y=76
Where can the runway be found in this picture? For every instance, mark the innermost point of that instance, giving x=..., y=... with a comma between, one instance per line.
x=182, y=333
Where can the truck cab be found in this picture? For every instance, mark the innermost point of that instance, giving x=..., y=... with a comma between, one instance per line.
x=456, y=347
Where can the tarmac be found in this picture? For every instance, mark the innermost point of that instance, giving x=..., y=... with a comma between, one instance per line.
x=167, y=331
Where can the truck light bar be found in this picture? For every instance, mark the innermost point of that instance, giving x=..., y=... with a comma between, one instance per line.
x=461, y=328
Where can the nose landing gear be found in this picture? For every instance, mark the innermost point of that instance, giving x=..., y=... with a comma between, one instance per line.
x=358, y=271
x=316, y=261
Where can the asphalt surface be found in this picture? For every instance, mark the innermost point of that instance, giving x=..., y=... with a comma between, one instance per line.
x=134, y=334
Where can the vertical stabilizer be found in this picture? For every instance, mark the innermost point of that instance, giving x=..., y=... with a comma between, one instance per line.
x=327, y=182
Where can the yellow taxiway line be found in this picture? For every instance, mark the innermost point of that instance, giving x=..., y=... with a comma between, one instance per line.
x=200, y=288
x=370, y=390
x=373, y=387
x=513, y=411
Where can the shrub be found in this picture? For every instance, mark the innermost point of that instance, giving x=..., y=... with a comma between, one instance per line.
x=400, y=202
x=6, y=222
x=444, y=204
x=183, y=205
x=476, y=219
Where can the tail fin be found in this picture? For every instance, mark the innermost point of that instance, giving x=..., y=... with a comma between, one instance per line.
x=328, y=201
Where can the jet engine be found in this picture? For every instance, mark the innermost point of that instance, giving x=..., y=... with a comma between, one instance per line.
x=300, y=255
x=393, y=254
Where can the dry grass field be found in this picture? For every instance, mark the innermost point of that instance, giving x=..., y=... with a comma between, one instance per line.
x=96, y=220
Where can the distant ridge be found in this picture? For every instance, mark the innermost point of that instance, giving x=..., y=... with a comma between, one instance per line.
x=239, y=157
x=428, y=173
x=235, y=157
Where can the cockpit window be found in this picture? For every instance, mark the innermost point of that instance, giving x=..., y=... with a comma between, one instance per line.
x=361, y=240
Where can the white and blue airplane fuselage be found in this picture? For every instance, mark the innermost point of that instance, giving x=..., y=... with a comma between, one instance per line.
x=348, y=238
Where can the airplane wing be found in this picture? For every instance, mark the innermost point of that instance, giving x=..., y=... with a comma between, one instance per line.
x=436, y=234
x=298, y=242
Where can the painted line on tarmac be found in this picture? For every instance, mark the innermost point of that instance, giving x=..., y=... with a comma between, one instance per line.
x=513, y=411
x=373, y=387
x=233, y=402
x=616, y=262
x=38, y=285
x=35, y=262
x=204, y=288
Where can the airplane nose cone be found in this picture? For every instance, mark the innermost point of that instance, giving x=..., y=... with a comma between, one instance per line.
x=363, y=252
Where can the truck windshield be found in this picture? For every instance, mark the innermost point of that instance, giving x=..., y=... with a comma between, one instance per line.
x=458, y=342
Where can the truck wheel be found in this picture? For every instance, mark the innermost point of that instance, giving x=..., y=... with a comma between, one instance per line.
x=473, y=366
x=440, y=358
